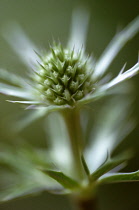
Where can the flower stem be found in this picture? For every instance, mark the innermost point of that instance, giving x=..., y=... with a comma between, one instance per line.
x=88, y=204
x=72, y=120
x=86, y=198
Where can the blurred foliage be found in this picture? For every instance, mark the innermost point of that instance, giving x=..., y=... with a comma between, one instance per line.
x=43, y=20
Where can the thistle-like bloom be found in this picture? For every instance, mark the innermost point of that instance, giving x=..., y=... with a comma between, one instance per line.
x=65, y=77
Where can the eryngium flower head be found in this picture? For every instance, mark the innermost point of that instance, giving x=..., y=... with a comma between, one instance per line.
x=63, y=77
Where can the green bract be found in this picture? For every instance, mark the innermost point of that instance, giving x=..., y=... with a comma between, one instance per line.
x=64, y=77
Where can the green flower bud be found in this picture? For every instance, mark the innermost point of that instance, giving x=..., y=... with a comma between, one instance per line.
x=65, y=75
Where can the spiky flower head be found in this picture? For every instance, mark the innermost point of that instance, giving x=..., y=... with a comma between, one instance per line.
x=64, y=76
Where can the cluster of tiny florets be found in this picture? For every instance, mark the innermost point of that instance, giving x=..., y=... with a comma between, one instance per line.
x=63, y=77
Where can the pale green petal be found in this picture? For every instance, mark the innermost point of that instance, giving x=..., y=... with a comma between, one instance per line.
x=14, y=91
x=21, y=44
x=18, y=183
x=25, y=163
x=115, y=46
x=20, y=190
x=79, y=29
x=27, y=102
x=120, y=177
x=108, y=130
x=12, y=78
x=122, y=77
x=29, y=117
x=59, y=143
x=103, y=90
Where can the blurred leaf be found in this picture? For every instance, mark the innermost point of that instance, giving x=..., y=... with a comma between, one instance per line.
x=111, y=125
x=13, y=91
x=109, y=165
x=121, y=77
x=85, y=165
x=103, y=90
x=21, y=121
x=12, y=78
x=120, y=177
x=19, y=190
x=24, y=163
x=115, y=46
x=24, y=48
x=79, y=29
x=25, y=102
x=63, y=179
x=27, y=118
x=59, y=143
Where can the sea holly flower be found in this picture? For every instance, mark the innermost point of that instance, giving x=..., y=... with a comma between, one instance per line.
x=64, y=77
x=64, y=80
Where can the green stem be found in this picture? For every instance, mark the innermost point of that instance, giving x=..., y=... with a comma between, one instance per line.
x=84, y=200
x=72, y=120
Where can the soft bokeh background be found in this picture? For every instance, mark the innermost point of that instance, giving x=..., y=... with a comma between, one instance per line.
x=44, y=20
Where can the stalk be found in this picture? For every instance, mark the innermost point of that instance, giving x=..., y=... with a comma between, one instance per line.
x=72, y=121
x=84, y=200
x=86, y=204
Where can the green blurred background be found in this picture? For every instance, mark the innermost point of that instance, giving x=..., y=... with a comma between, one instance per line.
x=44, y=20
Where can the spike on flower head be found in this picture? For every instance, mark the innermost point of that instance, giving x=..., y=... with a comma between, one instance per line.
x=64, y=76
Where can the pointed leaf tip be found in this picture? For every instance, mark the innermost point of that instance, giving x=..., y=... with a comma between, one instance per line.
x=85, y=165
